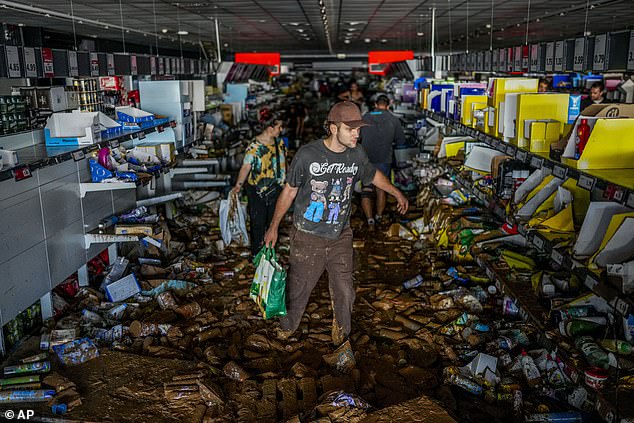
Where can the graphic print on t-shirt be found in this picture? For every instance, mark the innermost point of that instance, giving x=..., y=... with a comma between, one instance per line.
x=315, y=210
x=334, y=201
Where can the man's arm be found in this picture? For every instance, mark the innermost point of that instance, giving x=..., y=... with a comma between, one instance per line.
x=284, y=202
x=380, y=181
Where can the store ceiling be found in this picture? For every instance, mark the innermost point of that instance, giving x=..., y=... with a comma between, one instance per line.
x=354, y=26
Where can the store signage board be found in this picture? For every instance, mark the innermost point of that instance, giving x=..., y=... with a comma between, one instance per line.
x=161, y=66
x=487, y=60
x=30, y=68
x=73, y=67
x=517, y=59
x=599, y=59
x=110, y=60
x=94, y=64
x=550, y=56
x=509, y=59
x=133, y=68
x=580, y=49
x=47, y=60
x=630, y=53
x=534, y=58
x=559, y=56
x=13, y=62
x=495, y=58
x=152, y=65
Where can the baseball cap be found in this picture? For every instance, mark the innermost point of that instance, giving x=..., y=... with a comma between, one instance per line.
x=348, y=113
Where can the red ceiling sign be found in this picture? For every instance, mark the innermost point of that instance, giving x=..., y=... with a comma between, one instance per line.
x=376, y=59
x=267, y=59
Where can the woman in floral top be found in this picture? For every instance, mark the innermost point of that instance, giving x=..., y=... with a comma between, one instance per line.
x=264, y=171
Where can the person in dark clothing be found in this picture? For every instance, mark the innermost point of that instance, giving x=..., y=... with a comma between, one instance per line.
x=264, y=170
x=597, y=96
x=320, y=182
x=383, y=131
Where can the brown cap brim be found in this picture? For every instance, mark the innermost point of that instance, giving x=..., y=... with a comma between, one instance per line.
x=357, y=123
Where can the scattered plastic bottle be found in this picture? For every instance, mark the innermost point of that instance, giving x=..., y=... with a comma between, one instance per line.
x=554, y=374
x=580, y=311
x=593, y=352
x=574, y=328
x=617, y=346
x=567, y=417
x=583, y=133
x=464, y=383
x=530, y=370
x=59, y=409
x=413, y=283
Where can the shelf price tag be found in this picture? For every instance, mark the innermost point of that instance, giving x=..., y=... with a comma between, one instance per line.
x=47, y=61
x=141, y=136
x=133, y=67
x=538, y=242
x=557, y=257
x=94, y=64
x=580, y=54
x=591, y=282
x=22, y=173
x=599, y=59
x=622, y=307
x=30, y=68
x=114, y=143
x=534, y=60
x=586, y=182
x=152, y=65
x=13, y=62
x=521, y=155
x=78, y=155
x=550, y=56
x=537, y=162
x=110, y=63
x=560, y=171
x=73, y=67
x=559, y=56
x=619, y=194
x=510, y=150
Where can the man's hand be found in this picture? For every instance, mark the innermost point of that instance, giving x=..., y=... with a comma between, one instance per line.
x=270, y=237
x=403, y=204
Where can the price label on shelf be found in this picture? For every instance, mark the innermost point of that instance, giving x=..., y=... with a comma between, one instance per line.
x=537, y=162
x=591, y=282
x=30, y=68
x=622, y=307
x=521, y=155
x=152, y=65
x=580, y=54
x=78, y=155
x=586, y=182
x=630, y=53
x=550, y=56
x=13, y=62
x=557, y=257
x=599, y=60
x=114, y=144
x=47, y=61
x=510, y=150
x=559, y=55
x=538, y=242
x=73, y=67
x=133, y=67
x=141, y=135
x=560, y=171
x=110, y=63
x=619, y=194
x=534, y=59
x=94, y=64
x=517, y=59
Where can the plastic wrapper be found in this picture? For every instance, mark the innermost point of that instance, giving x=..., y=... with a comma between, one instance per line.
x=37, y=395
x=342, y=359
x=345, y=399
x=76, y=352
x=233, y=371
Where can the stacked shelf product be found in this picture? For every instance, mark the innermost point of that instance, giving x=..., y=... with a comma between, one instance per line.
x=90, y=94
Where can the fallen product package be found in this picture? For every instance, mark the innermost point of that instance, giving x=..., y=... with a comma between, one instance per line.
x=76, y=352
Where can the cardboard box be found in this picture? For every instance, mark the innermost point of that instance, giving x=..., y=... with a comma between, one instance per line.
x=122, y=289
x=133, y=229
x=72, y=129
x=132, y=114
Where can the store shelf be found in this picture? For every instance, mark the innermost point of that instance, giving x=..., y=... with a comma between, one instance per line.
x=95, y=187
x=621, y=303
x=187, y=170
x=39, y=156
x=201, y=162
x=159, y=200
x=617, y=184
x=107, y=238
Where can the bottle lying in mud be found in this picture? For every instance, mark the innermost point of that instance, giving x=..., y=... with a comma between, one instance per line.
x=452, y=376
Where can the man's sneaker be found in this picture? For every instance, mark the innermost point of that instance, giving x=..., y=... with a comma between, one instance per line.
x=282, y=335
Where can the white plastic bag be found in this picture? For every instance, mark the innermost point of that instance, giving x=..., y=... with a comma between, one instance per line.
x=233, y=226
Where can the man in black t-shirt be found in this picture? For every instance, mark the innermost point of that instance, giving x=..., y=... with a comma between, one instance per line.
x=320, y=182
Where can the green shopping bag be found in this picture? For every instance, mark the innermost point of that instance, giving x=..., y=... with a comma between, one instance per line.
x=268, y=289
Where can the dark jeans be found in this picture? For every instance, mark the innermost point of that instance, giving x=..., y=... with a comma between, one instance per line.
x=310, y=255
x=260, y=213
